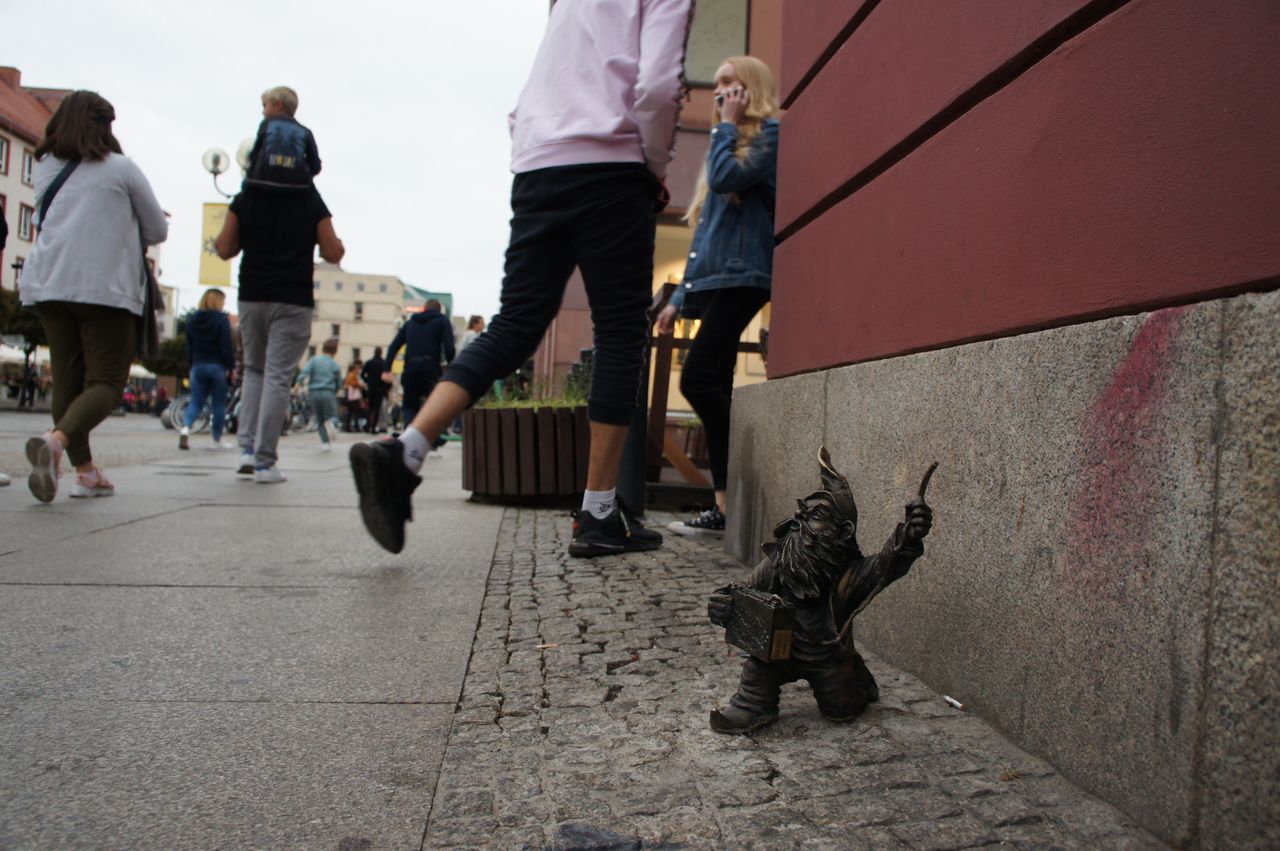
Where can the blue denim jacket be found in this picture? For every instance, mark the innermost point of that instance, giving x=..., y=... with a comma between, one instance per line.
x=733, y=243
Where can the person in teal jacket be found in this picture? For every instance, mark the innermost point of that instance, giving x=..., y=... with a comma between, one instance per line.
x=321, y=376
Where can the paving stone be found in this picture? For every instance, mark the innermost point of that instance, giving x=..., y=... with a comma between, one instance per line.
x=604, y=739
x=944, y=834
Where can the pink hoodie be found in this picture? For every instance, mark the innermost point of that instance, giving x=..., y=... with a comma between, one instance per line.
x=606, y=86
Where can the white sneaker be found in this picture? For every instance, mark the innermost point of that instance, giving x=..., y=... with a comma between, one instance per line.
x=222, y=446
x=269, y=475
x=91, y=484
x=183, y=434
x=326, y=447
x=246, y=464
x=435, y=454
x=45, y=455
x=4, y=479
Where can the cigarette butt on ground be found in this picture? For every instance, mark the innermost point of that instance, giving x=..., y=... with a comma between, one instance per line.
x=949, y=699
x=546, y=646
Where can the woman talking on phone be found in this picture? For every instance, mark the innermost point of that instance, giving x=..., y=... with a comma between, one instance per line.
x=730, y=267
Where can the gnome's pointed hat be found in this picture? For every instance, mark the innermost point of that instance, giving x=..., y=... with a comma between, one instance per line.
x=837, y=486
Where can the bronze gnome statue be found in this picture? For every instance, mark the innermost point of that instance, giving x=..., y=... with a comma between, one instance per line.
x=795, y=612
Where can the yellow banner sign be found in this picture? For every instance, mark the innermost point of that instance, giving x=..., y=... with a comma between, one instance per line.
x=214, y=271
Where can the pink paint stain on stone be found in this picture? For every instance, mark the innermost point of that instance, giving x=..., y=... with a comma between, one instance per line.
x=1121, y=434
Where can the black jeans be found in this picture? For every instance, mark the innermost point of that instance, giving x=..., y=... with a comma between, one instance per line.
x=375, y=408
x=600, y=218
x=417, y=386
x=707, y=377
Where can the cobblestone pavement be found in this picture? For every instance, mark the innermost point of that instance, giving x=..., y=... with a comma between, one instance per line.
x=583, y=724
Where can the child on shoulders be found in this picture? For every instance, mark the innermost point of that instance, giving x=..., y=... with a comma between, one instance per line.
x=284, y=153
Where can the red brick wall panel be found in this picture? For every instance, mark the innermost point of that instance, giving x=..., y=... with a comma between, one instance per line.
x=908, y=60
x=1135, y=167
x=809, y=28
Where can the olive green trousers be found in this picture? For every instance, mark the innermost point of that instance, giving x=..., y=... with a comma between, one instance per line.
x=90, y=349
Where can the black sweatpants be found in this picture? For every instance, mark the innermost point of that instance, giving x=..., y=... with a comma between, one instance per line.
x=706, y=379
x=600, y=218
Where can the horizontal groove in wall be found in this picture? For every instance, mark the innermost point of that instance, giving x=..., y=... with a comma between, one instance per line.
x=989, y=85
x=838, y=42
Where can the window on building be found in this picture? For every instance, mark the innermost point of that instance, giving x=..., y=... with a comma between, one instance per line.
x=359, y=310
x=337, y=285
x=355, y=353
x=719, y=30
x=26, y=222
x=382, y=288
x=28, y=166
x=311, y=351
x=4, y=155
x=335, y=330
x=359, y=286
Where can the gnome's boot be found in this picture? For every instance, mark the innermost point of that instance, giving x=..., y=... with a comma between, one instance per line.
x=756, y=703
x=735, y=720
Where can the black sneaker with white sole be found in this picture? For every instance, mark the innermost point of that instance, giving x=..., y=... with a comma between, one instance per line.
x=620, y=532
x=386, y=488
x=709, y=523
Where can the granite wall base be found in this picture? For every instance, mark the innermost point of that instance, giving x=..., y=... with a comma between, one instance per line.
x=1102, y=579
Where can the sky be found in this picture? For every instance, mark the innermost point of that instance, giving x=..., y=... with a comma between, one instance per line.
x=408, y=101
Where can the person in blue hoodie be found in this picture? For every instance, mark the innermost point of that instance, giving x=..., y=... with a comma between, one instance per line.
x=212, y=360
x=427, y=340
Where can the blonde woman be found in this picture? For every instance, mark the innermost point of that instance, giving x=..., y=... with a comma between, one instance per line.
x=730, y=267
x=212, y=360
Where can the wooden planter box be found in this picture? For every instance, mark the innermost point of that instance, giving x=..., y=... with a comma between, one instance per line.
x=525, y=452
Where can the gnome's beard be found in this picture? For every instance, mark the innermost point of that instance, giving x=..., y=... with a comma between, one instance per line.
x=805, y=564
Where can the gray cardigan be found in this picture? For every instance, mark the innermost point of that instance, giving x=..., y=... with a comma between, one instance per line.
x=89, y=250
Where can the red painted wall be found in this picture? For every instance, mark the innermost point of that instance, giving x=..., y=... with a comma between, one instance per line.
x=810, y=28
x=1134, y=166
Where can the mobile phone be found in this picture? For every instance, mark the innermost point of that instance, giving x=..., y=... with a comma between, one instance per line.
x=719, y=100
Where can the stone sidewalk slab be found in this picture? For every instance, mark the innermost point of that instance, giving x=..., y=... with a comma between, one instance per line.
x=169, y=775
x=583, y=724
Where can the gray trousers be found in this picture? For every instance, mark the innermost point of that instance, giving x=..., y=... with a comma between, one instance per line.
x=274, y=336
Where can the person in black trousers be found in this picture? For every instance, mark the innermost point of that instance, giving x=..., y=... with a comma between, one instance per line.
x=372, y=372
x=592, y=134
x=730, y=270
x=427, y=339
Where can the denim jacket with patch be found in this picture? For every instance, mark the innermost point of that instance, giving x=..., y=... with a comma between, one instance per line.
x=733, y=243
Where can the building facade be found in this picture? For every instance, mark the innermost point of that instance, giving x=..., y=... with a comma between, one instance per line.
x=1038, y=245
x=24, y=112
x=363, y=311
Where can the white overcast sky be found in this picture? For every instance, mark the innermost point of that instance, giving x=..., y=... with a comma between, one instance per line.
x=408, y=100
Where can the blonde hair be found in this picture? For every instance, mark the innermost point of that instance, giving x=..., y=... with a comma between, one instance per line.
x=283, y=95
x=758, y=80
x=213, y=300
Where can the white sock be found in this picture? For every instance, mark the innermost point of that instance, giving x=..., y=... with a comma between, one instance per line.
x=416, y=447
x=599, y=504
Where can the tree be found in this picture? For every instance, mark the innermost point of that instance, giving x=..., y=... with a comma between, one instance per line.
x=180, y=321
x=22, y=323
x=172, y=357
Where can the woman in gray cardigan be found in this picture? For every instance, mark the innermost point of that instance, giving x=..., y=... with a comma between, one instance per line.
x=85, y=279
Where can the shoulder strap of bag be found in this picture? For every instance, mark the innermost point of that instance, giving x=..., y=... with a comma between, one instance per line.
x=53, y=190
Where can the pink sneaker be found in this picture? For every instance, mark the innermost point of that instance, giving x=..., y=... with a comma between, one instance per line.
x=92, y=484
x=45, y=455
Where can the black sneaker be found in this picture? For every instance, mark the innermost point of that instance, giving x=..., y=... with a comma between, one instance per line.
x=620, y=532
x=709, y=522
x=385, y=486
